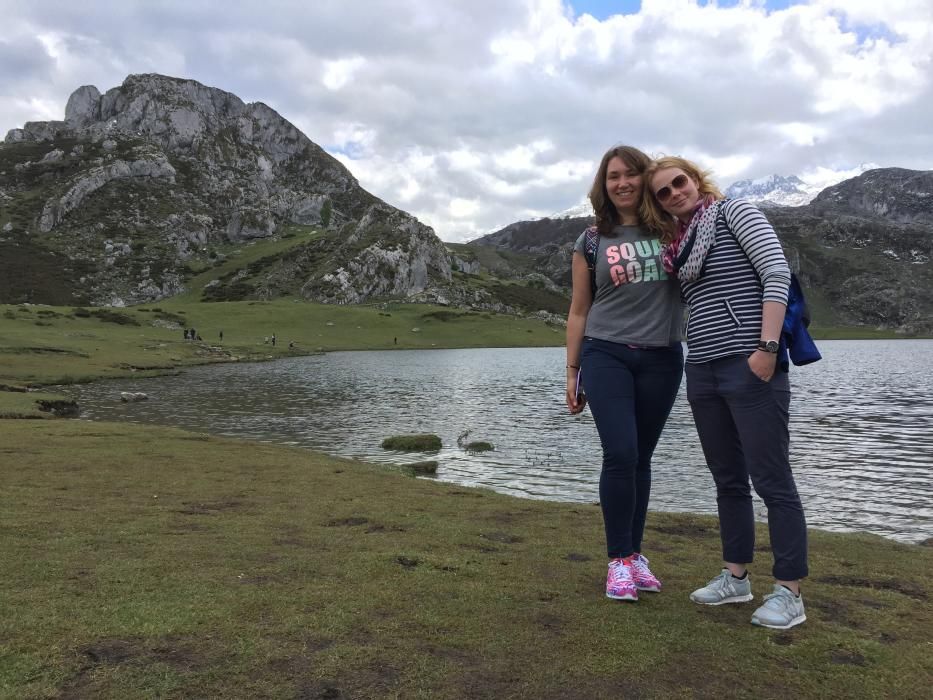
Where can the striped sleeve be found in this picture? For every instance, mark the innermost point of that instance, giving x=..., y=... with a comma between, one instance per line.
x=760, y=243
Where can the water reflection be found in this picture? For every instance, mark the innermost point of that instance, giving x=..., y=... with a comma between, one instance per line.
x=862, y=444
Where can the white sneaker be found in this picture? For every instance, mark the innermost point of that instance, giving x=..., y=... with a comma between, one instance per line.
x=725, y=588
x=781, y=610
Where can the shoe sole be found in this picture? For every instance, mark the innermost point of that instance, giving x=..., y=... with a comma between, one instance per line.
x=733, y=599
x=793, y=623
x=650, y=589
x=622, y=597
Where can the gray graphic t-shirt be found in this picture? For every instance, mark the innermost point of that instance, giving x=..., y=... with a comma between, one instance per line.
x=636, y=301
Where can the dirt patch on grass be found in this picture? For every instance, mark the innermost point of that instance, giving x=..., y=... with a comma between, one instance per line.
x=210, y=508
x=503, y=537
x=179, y=653
x=376, y=679
x=783, y=639
x=347, y=522
x=847, y=658
x=574, y=556
x=485, y=549
x=685, y=529
x=907, y=588
x=833, y=611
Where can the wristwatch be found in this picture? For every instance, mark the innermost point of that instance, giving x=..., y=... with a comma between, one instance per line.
x=769, y=346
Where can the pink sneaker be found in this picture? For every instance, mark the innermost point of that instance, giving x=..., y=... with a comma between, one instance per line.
x=641, y=575
x=619, y=583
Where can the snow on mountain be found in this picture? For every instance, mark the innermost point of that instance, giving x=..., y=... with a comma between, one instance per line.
x=786, y=191
x=789, y=191
x=584, y=208
x=792, y=191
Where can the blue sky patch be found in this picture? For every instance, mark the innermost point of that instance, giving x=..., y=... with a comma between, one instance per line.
x=602, y=9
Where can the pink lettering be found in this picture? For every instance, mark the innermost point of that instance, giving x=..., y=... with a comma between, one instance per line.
x=612, y=254
x=617, y=273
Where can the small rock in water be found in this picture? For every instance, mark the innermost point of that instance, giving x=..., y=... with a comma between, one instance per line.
x=127, y=396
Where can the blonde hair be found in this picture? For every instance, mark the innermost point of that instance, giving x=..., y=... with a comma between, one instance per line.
x=651, y=211
x=607, y=217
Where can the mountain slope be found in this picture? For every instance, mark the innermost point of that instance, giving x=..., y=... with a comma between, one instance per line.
x=142, y=187
x=862, y=249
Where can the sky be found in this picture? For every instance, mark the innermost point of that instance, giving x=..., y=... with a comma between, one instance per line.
x=473, y=114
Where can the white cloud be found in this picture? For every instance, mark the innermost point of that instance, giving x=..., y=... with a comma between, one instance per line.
x=472, y=114
x=338, y=73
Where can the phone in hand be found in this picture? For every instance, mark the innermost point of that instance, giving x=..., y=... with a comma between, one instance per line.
x=579, y=391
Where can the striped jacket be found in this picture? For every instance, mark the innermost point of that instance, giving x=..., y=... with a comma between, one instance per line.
x=744, y=267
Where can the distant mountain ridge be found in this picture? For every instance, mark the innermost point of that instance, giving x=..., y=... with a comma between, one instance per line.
x=788, y=191
x=862, y=247
x=163, y=186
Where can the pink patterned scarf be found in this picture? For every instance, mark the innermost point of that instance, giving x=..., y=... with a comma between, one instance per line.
x=684, y=256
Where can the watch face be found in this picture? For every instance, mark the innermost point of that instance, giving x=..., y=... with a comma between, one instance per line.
x=769, y=346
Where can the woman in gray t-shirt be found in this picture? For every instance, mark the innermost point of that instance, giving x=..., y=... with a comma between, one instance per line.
x=623, y=348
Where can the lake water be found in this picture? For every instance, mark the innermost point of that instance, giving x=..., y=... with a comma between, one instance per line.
x=861, y=424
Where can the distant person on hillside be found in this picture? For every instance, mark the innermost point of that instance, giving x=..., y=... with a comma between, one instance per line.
x=624, y=349
x=735, y=279
x=221, y=336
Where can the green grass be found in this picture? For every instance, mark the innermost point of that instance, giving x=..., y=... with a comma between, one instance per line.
x=151, y=562
x=412, y=443
x=81, y=345
x=241, y=256
x=428, y=466
x=479, y=446
x=30, y=405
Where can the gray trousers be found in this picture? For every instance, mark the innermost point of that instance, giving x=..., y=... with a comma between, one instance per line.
x=742, y=423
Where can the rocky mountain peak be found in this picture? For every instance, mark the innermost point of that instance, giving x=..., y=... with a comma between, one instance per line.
x=896, y=194
x=186, y=168
x=774, y=189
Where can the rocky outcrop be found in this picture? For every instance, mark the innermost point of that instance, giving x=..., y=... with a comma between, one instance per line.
x=895, y=194
x=55, y=209
x=400, y=263
x=83, y=107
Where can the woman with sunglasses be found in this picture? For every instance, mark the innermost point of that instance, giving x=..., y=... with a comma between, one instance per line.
x=735, y=278
x=624, y=347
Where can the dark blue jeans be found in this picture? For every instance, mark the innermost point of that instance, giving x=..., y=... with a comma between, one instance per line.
x=743, y=427
x=630, y=392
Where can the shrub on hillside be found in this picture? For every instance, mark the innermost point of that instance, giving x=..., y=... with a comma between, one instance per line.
x=111, y=316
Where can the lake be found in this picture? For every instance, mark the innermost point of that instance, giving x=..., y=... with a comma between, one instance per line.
x=861, y=424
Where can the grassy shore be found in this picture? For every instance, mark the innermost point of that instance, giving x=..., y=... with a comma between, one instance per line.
x=148, y=562
x=151, y=562
x=41, y=345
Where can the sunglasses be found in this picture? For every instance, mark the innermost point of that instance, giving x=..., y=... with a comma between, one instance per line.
x=677, y=183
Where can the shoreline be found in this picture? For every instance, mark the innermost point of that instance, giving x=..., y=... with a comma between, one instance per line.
x=459, y=468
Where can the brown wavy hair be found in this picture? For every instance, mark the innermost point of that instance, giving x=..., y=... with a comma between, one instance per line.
x=651, y=211
x=607, y=217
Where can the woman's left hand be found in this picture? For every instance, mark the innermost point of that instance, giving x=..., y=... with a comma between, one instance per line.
x=762, y=364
